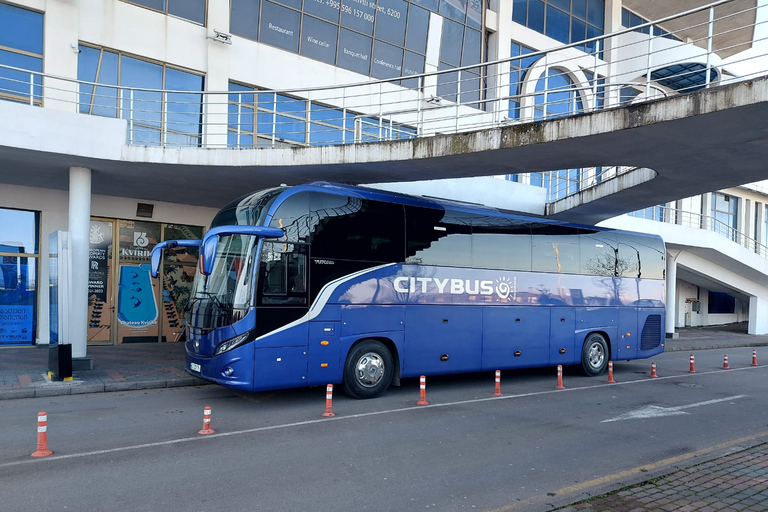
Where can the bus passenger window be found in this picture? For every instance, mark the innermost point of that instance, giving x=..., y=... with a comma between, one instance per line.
x=283, y=274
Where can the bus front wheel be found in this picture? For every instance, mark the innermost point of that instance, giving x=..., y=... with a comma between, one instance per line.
x=369, y=370
x=594, y=354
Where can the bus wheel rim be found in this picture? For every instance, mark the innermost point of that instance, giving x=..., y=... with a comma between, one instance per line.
x=596, y=355
x=369, y=369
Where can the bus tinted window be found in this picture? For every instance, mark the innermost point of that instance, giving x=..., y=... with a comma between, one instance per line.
x=434, y=238
x=283, y=274
x=646, y=254
x=555, y=249
x=504, y=248
x=351, y=228
x=599, y=255
x=293, y=216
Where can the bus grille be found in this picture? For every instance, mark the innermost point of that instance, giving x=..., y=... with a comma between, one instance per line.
x=651, y=336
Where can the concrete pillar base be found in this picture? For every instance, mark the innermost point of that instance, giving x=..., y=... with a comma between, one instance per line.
x=82, y=363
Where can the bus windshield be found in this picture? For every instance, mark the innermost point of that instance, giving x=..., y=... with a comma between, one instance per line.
x=224, y=296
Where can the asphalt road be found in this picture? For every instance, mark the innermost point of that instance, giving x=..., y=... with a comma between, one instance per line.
x=532, y=449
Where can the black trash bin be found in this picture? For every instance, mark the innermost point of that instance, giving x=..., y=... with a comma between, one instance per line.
x=60, y=362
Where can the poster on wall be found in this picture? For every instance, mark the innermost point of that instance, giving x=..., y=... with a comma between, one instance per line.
x=98, y=260
x=17, y=295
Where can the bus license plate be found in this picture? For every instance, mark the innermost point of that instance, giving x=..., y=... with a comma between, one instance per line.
x=194, y=367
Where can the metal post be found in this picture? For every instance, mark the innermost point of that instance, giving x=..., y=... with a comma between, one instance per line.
x=594, y=75
x=458, y=99
x=239, y=114
x=31, y=89
x=648, y=68
x=130, y=116
x=274, y=117
x=546, y=88
x=709, y=45
x=164, y=117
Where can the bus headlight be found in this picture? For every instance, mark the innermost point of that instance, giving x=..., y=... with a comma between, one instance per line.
x=230, y=344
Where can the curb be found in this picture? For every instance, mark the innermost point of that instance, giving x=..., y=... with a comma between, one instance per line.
x=82, y=388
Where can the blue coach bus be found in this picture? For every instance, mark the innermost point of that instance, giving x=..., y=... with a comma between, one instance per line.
x=326, y=283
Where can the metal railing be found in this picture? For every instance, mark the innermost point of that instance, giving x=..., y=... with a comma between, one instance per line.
x=700, y=221
x=613, y=70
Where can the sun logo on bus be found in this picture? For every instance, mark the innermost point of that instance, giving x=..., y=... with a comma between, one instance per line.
x=504, y=287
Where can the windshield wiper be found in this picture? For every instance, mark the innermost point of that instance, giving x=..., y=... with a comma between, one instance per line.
x=215, y=299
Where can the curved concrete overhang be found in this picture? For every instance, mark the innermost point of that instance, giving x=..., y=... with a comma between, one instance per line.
x=696, y=143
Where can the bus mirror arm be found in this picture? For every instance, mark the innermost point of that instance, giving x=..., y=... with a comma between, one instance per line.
x=211, y=241
x=157, y=252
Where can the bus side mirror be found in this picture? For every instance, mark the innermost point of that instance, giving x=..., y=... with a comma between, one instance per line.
x=157, y=252
x=208, y=254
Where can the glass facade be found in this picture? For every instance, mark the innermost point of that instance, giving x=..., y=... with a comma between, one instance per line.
x=567, y=21
x=192, y=10
x=21, y=46
x=384, y=39
x=157, y=118
x=262, y=118
x=19, y=259
x=518, y=69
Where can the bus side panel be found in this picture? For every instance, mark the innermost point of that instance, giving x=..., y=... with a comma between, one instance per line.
x=362, y=319
x=324, y=365
x=562, y=347
x=627, y=346
x=651, y=332
x=433, y=332
x=508, y=330
x=277, y=368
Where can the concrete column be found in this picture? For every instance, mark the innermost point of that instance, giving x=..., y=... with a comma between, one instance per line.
x=62, y=22
x=611, y=52
x=759, y=223
x=499, y=47
x=215, y=107
x=706, y=210
x=671, y=294
x=79, y=230
x=758, y=315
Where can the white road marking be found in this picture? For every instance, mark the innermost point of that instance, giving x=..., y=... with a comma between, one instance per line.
x=654, y=411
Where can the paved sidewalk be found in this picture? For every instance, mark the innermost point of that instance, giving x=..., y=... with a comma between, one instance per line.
x=24, y=371
x=735, y=482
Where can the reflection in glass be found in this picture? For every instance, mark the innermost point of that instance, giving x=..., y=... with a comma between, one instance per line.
x=18, y=300
x=19, y=231
x=450, y=45
x=244, y=18
x=418, y=28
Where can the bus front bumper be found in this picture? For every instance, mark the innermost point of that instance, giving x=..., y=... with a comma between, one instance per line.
x=233, y=369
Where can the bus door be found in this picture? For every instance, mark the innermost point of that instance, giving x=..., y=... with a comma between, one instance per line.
x=282, y=297
x=562, y=347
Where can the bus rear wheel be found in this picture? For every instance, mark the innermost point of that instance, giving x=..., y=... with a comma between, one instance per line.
x=369, y=370
x=594, y=354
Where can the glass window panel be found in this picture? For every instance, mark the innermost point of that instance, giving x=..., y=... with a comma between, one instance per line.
x=594, y=32
x=147, y=105
x=145, y=136
x=17, y=82
x=450, y=45
x=318, y=40
x=358, y=16
x=596, y=13
x=293, y=106
x=18, y=300
x=432, y=241
x=471, y=52
x=579, y=8
x=390, y=21
x=475, y=13
x=519, y=11
x=326, y=9
x=105, y=98
x=387, y=60
x=470, y=87
x=536, y=15
x=242, y=94
x=354, y=51
x=600, y=255
x=184, y=111
x=578, y=30
x=244, y=18
x=291, y=129
x=565, y=5
x=326, y=115
x=555, y=253
x=558, y=24
x=641, y=256
x=87, y=65
x=21, y=29
x=514, y=83
x=429, y=4
x=280, y=26
x=320, y=135
x=193, y=10
x=265, y=123
x=418, y=27
x=413, y=64
x=504, y=251
x=447, y=84
x=19, y=231
x=455, y=9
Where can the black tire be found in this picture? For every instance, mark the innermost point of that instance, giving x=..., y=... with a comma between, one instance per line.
x=369, y=370
x=595, y=354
